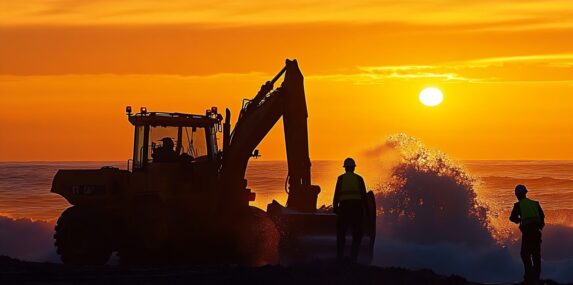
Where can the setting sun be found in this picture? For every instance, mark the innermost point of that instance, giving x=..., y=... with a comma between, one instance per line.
x=431, y=96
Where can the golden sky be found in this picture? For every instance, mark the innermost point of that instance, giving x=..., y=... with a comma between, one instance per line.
x=69, y=67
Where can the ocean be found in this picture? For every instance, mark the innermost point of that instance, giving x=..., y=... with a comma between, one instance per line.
x=25, y=186
x=28, y=208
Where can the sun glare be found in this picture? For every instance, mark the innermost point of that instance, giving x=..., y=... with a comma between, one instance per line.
x=431, y=96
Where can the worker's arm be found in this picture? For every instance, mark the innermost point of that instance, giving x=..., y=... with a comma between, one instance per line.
x=336, y=194
x=541, y=215
x=363, y=194
x=515, y=214
x=362, y=188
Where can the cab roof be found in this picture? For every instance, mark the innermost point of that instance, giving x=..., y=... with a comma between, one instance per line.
x=172, y=120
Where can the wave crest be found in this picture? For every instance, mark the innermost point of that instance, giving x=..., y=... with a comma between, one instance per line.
x=429, y=198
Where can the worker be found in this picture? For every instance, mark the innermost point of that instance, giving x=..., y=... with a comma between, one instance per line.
x=349, y=205
x=529, y=215
x=166, y=152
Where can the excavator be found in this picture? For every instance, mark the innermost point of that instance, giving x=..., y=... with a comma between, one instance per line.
x=183, y=199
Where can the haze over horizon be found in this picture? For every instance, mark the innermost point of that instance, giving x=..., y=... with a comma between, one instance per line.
x=68, y=68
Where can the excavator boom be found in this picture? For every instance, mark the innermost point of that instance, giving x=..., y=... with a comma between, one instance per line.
x=256, y=119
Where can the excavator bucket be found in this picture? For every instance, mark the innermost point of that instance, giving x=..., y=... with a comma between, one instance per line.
x=306, y=236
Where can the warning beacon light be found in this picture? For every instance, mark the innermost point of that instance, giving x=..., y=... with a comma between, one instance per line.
x=128, y=110
x=143, y=110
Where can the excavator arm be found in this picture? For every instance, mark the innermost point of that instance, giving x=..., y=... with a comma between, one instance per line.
x=256, y=119
x=305, y=231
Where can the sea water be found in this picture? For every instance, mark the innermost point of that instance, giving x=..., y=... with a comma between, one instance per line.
x=28, y=211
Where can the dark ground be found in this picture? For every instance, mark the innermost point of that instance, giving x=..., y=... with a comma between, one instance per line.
x=13, y=271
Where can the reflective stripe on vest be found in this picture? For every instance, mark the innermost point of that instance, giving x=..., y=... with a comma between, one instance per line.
x=350, y=189
x=529, y=211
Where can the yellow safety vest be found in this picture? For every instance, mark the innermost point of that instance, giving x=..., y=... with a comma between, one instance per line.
x=350, y=188
x=529, y=211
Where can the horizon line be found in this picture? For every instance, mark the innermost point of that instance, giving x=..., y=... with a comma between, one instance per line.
x=270, y=160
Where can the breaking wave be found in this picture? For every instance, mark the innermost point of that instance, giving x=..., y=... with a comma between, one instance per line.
x=26, y=239
x=430, y=199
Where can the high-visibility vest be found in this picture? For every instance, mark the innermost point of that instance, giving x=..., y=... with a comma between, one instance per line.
x=529, y=211
x=350, y=188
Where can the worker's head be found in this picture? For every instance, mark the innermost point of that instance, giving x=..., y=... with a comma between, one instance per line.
x=520, y=191
x=168, y=143
x=349, y=164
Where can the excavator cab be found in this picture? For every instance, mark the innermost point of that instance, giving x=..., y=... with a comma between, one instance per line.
x=173, y=137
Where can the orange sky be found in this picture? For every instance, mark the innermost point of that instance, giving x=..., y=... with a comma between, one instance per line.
x=68, y=68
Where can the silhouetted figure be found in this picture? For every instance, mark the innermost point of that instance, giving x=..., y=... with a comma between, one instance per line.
x=531, y=219
x=349, y=204
x=166, y=152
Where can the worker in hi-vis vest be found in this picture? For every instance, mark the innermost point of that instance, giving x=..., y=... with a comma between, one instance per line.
x=529, y=215
x=349, y=205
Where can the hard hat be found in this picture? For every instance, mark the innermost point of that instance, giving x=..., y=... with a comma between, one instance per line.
x=520, y=190
x=349, y=162
x=168, y=139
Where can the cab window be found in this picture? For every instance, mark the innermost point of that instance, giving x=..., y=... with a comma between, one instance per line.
x=139, y=147
x=194, y=141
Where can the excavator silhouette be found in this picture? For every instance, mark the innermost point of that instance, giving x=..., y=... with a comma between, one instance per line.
x=184, y=200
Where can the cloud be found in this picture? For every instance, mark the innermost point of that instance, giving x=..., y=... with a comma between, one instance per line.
x=545, y=68
x=362, y=53
x=415, y=72
x=526, y=58
x=537, y=68
x=545, y=13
